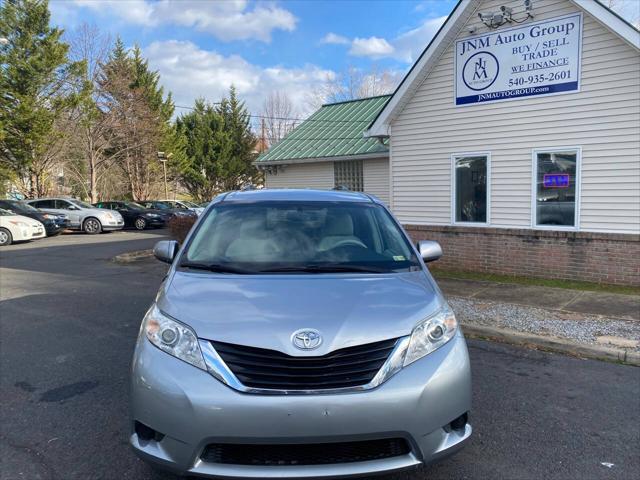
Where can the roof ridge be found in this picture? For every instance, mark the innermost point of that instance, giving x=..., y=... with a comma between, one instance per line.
x=357, y=100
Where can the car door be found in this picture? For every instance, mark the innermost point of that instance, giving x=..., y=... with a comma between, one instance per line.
x=75, y=213
x=128, y=215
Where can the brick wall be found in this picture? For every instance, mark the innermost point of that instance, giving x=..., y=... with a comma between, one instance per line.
x=592, y=257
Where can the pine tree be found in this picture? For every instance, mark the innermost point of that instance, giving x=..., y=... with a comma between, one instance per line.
x=219, y=148
x=38, y=87
x=141, y=114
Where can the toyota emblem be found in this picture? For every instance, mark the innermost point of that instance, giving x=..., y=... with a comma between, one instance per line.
x=306, y=339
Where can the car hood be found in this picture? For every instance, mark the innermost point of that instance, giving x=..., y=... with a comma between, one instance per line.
x=264, y=310
x=21, y=218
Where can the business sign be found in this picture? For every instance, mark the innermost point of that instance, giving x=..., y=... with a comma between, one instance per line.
x=556, y=180
x=539, y=58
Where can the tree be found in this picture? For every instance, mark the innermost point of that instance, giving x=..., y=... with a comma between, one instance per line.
x=140, y=119
x=239, y=169
x=207, y=145
x=218, y=148
x=278, y=118
x=353, y=84
x=89, y=158
x=39, y=86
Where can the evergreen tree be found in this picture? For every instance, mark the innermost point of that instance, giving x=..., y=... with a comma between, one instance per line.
x=219, y=148
x=38, y=87
x=141, y=119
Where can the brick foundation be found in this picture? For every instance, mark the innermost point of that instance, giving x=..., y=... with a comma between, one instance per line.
x=592, y=257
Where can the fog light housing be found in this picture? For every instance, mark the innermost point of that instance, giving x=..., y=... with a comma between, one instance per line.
x=146, y=433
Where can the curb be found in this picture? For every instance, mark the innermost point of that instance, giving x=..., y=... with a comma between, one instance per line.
x=130, y=257
x=552, y=344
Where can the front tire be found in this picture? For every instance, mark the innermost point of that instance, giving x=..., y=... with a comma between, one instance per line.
x=5, y=237
x=140, y=223
x=92, y=226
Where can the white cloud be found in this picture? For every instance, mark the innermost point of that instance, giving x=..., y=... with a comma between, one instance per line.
x=335, y=39
x=373, y=47
x=405, y=47
x=410, y=45
x=226, y=20
x=190, y=72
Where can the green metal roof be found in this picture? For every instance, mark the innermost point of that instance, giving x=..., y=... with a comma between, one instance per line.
x=335, y=130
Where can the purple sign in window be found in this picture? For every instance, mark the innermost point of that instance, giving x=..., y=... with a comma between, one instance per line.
x=556, y=180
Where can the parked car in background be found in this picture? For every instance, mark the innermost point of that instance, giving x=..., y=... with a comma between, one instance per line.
x=136, y=215
x=53, y=223
x=168, y=208
x=82, y=216
x=17, y=228
x=298, y=333
x=184, y=204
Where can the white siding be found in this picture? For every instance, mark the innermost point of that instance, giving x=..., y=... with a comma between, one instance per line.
x=603, y=118
x=304, y=175
x=320, y=175
x=376, y=178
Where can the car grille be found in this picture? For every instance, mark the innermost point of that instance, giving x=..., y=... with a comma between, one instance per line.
x=305, y=454
x=269, y=369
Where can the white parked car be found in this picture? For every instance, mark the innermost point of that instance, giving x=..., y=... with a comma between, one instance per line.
x=16, y=228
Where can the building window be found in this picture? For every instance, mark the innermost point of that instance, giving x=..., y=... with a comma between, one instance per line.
x=556, y=187
x=470, y=186
x=348, y=175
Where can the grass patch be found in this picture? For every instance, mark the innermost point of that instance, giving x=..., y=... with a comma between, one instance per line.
x=542, y=282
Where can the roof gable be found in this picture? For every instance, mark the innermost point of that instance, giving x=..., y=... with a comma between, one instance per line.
x=335, y=130
x=448, y=33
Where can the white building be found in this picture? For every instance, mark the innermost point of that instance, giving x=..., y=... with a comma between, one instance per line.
x=515, y=141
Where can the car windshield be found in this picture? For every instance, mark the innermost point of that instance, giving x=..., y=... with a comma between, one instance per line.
x=311, y=237
x=23, y=207
x=134, y=206
x=189, y=204
x=159, y=206
x=82, y=204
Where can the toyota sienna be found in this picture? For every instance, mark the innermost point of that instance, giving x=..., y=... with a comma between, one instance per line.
x=298, y=333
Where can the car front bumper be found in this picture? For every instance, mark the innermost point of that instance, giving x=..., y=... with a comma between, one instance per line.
x=112, y=225
x=191, y=409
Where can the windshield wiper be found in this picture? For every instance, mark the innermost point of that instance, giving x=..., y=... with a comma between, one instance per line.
x=215, y=267
x=326, y=268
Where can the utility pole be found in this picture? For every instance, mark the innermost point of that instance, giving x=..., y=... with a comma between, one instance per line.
x=163, y=158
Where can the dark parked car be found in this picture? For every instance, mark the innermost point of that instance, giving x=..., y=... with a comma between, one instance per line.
x=136, y=215
x=53, y=223
x=168, y=208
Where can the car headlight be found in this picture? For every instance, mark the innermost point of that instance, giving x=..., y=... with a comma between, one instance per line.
x=152, y=215
x=19, y=223
x=109, y=215
x=48, y=216
x=431, y=334
x=173, y=337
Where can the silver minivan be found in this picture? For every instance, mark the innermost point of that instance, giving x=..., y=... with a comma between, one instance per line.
x=298, y=333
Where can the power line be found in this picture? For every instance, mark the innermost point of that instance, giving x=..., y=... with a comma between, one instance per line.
x=287, y=118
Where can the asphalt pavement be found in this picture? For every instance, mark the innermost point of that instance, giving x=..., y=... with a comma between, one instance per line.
x=69, y=317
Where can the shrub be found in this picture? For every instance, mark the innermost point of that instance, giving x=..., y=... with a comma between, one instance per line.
x=179, y=227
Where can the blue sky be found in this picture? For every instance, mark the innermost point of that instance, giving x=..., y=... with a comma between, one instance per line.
x=201, y=47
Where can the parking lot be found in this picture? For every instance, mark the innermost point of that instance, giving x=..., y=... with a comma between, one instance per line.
x=70, y=316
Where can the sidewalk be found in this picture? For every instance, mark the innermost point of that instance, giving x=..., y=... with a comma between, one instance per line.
x=583, y=323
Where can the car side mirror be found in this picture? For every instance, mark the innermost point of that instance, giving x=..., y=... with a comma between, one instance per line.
x=72, y=207
x=429, y=250
x=166, y=250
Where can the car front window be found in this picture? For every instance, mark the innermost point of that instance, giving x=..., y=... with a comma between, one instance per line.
x=312, y=237
x=25, y=207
